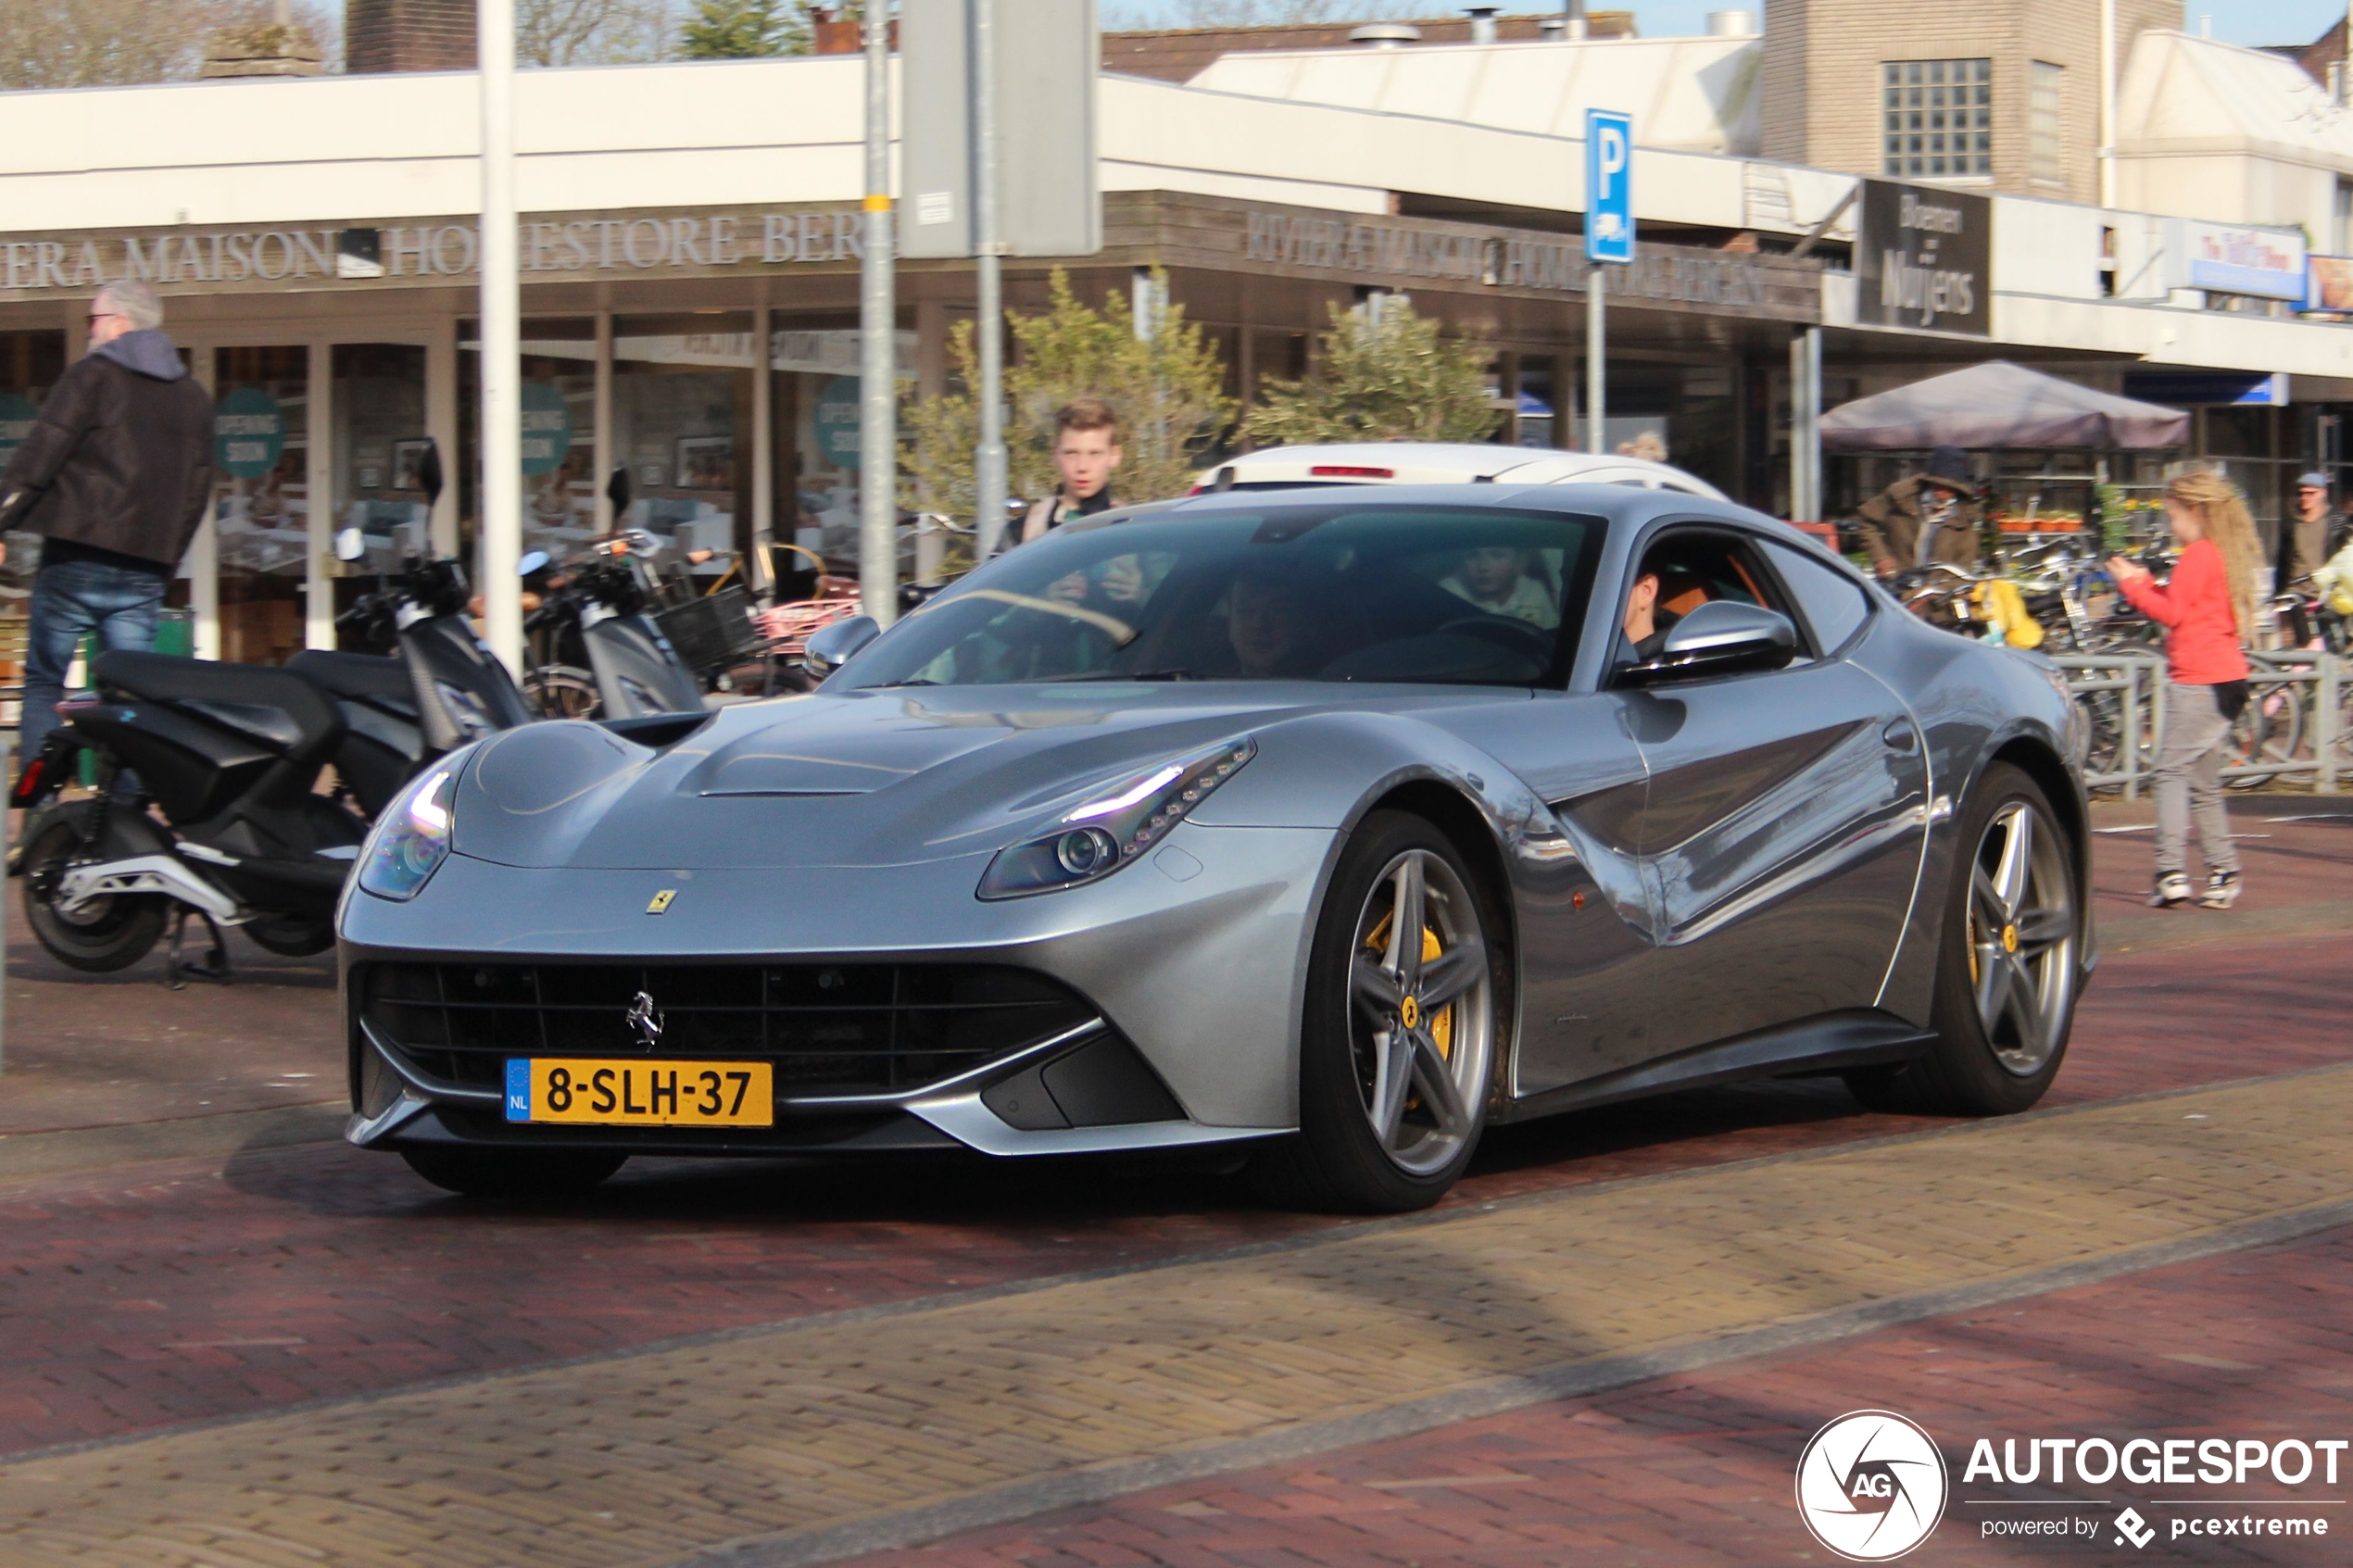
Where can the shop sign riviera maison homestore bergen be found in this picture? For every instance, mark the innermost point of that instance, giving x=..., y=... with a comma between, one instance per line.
x=1181, y=231
x=426, y=252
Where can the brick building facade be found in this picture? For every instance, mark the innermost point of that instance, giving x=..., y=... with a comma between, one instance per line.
x=2006, y=91
x=383, y=35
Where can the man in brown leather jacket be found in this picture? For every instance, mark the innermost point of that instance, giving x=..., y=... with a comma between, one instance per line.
x=115, y=476
x=1928, y=517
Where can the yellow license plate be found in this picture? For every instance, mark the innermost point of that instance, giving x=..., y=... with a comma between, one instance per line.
x=640, y=1094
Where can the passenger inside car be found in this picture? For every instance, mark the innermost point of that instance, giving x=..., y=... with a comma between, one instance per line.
x=1272, y=627
x=1502, y=580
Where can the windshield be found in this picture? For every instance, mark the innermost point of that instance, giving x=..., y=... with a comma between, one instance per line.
x=1471, y=595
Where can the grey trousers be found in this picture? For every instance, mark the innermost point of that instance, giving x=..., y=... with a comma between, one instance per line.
x=2189, y=782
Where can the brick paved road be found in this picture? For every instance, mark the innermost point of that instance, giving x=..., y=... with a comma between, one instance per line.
x=188, y=1291
x=1695, y=1469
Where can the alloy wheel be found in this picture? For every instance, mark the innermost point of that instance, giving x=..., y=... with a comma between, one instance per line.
x=1421, y=1023
x=2022, y=936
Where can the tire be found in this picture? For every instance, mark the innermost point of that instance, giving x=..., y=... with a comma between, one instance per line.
x=291, y=936
x=1416, y=1059
x=560, y=691
x=2005, y=992
x=106, y=935
x=513, y=1173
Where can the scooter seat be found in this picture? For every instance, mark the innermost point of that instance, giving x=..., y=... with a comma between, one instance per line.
x=274, y=706
x=360, y=677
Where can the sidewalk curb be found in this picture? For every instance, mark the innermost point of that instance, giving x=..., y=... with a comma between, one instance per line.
x=29, y=1156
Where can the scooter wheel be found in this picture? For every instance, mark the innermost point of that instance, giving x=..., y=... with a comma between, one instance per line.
x=104, y=934
x=291, y=936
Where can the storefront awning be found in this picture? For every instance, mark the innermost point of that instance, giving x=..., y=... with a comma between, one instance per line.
x=1999, y=404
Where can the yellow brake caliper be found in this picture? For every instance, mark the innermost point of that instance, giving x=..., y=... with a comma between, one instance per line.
x=1442, y=1027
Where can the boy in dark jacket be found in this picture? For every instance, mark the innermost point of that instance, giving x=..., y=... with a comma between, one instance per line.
x=115, y=476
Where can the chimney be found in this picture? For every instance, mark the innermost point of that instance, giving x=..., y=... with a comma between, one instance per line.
x=1731, y=24
x=1482, y=20
x=273, y=49
x=386, y=35
x=829, y=34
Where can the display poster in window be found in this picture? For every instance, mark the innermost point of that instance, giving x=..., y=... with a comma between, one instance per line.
x=17, y=413
x=1922, y=259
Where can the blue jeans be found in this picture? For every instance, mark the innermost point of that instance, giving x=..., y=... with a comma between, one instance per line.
x=69, y=599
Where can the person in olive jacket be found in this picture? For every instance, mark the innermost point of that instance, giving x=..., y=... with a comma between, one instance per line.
x=1928, y=517
x=115, y=476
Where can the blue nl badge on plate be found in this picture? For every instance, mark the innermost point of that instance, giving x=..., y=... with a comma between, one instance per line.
x=518, y=1089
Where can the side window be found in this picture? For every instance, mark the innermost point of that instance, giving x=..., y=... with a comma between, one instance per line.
x=1835, y=606
x=1690, y=567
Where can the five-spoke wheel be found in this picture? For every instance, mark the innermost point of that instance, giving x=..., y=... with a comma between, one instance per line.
x=2008, y=966
x=1398, y=1050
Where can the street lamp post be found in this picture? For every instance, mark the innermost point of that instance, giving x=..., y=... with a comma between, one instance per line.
x=502, y=340
x=877, y=326
x=988, y=456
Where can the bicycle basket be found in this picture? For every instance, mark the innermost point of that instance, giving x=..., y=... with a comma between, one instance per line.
x=712, y=632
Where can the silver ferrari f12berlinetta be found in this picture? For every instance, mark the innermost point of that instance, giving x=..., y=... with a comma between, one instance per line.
x=1331, y=825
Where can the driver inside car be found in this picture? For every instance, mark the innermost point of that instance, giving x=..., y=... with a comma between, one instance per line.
x=1659, y=597
x=1495, y=578
x=1271, y=627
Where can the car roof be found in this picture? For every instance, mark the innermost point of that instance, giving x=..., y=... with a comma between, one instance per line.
x=1434, y=462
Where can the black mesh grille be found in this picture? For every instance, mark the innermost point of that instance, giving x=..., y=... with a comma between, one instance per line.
x=827, y=1028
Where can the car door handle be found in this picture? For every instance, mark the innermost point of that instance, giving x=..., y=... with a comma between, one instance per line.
x=1901, y=735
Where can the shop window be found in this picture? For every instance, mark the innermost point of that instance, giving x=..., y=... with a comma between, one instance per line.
x=813, y=363
x=682, y=424
x=377, y=404
x=559, y=482
x=1936, y=119
x=29, y=364
x=2045, y=155
x=261, y=465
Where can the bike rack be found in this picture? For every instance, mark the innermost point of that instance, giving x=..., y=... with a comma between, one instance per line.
x=2141, y=678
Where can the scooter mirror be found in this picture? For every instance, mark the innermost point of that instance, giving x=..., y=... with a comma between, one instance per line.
x=617, y=491
x=350, y=543
x=830, y=647
x=532, y=560
x=429, y=473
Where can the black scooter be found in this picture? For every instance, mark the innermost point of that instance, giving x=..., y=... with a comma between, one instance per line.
x=231, y=755
x=602, y=609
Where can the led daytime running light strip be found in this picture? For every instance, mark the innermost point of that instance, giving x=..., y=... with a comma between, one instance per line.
x=1203, y=777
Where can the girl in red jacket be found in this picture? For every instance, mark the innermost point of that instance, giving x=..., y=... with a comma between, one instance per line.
x=2207, y=609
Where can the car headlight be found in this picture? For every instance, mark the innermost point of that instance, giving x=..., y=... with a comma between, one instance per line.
x=1098, y=838
x=412, y=838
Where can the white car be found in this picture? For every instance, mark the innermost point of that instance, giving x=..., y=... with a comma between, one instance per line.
x=1432, y=462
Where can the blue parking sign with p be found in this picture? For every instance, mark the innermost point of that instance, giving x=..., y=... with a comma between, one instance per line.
x=1609, y=185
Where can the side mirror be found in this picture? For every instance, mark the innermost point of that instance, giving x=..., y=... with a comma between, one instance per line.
x=830, y=647
x=1720, y=637
x=350, y=543
x=617, y=491
x=429, y=473
x=532, y=560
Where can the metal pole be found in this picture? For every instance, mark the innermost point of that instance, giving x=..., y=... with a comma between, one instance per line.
x=877, y=328
x=1806, y=426
x=2327, y=722
x=989, y=458
x=2107, y=103
x=1596, y=371
x=2129, y=742
x=502, y=340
